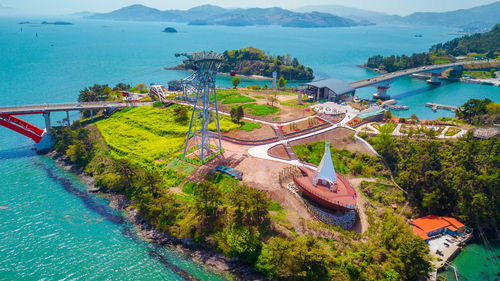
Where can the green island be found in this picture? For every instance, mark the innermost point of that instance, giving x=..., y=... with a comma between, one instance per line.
x=472, y=47
x=251, y=61
x=135, y=152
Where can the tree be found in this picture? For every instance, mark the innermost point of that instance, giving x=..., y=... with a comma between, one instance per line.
x=152, y=179
x=491, y=54
x=208, y=196
x=236, y=81
x=281, y=82
x=473, y=108
x=141, y=88
x=238, y=240
x=272, y=99
x=181, y=114
x=388, y=115
x=233, y=113
x=126, y=171
x=121, y=87
x=239, y=113
x=414, y=117
x=303, y=259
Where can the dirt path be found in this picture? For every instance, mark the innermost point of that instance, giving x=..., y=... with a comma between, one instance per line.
x=362, y=203
x=264, y=175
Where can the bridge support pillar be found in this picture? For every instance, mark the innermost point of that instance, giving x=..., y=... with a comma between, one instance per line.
x=299, y=98
x=434, y=79
x=91, y=115
x=67, y=117
x=381, y=93
x=48, y=125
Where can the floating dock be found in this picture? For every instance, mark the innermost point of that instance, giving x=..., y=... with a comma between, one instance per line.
x=435, y=106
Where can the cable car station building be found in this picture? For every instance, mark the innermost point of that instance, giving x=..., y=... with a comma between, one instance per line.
x=330, y=89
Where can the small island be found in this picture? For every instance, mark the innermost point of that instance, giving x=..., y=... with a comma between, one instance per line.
x=46, y=22
x=58, y=23
x=170, y=30
x=253, y=62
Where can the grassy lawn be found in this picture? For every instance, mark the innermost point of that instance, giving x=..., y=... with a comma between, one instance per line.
x=452, y=131
x=344, y=161
x=440, y=60
x=237, y=99
x=477, y=74
x=146, y=134
x=405, y=129
x=293, y=103
x=250, y=126
x=260, y=109
x=229, y=97
x=440, y=130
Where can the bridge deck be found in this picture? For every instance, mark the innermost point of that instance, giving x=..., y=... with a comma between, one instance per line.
x=43, y=108
x=393, y=75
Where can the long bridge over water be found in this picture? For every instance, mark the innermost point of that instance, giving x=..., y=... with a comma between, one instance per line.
x=381, y=82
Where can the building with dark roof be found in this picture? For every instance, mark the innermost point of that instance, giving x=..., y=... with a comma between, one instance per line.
x=330, y=89
x=431, y=226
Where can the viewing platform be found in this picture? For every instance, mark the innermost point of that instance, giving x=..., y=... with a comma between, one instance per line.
x=343, y=198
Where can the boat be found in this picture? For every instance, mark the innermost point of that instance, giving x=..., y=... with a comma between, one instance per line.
x=419, y=35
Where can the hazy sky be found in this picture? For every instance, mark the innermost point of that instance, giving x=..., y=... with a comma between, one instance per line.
x=401, y=7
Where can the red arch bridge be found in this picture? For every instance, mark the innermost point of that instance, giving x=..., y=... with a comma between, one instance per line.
x=9, y=117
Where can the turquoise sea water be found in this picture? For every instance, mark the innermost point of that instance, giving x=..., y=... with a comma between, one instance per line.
x=51, y=228
x=477, y=262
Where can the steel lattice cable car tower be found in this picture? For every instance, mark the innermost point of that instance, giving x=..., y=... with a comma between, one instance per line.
x=200, y=141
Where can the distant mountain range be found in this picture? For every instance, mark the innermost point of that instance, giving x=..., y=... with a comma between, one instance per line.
x=351, y=13
x=214, y=15
x=480, y=18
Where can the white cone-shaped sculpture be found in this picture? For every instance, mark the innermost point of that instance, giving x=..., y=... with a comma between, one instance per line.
x=326, y=171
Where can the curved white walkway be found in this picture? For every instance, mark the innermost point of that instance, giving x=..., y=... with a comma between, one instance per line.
x=261, y=150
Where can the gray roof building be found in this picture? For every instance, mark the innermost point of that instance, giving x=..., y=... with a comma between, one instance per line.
x=331, y=88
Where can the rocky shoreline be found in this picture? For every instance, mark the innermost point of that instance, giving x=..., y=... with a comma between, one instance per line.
x=203, y=254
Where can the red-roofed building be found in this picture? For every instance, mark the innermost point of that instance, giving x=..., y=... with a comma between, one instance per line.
x=429, y=226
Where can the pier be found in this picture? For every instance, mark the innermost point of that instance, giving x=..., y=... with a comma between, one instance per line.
x=435, y=106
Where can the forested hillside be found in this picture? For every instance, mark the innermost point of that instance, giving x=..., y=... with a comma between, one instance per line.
x=486, y=44
x=478, y=43
x=458, y=178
